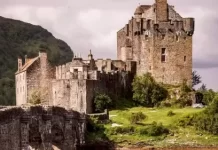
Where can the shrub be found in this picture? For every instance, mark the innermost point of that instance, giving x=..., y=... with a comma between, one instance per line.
x=147, y=92
x=170, y=113
x=153, y=130
x=157, y=130
x=102, y=102
x=136, y=117
x=121, y=130
x=206, y=120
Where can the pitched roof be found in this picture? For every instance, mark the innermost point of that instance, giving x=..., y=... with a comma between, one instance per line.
x=140, y=9
x=27, y=64
x=77, y=63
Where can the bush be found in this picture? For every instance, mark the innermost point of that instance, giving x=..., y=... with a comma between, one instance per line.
x=102, y=102
x=147, y=92
x=206, y=120
x=153, y=130
x=170, y=113
x=121, y=130
x=136, y=117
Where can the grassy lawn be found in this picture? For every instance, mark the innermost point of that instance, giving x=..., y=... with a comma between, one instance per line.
x=177, y=136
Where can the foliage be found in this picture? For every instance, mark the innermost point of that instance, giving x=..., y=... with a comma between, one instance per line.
x=185, y=88
x=208, y=96
x=153, y=129
x=19, y=39
x=170, y=113
x=196, y=78
x=203, y=88
x=137, y=117
x=206, y=120
x=147, y=92
x=95, y=131
x=37, y=96
x=156, y=129
x=121, y=130
x=102, y=102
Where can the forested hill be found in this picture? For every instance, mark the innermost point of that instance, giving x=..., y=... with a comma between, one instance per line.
x=19, y=39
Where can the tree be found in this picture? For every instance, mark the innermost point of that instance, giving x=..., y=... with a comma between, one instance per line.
x=203, y=88
x=147, y=91
x=102, y=101
x=196, y=78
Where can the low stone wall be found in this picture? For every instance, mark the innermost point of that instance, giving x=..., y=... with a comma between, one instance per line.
x=41, y=127
x=102, y=117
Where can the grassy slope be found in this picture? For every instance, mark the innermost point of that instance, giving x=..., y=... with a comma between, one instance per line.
x=180, y=136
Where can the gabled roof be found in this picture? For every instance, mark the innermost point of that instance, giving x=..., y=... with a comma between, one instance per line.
x=27, y=64
x=78, y=63
x=140, y=9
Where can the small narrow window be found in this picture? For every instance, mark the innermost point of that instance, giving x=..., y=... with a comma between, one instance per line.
x=149, y=67
x=177, y=38
x=149, y=50
x=163, y=36
x=154, y=10
x=184, y=58
x=163, y=55
x=148, y=24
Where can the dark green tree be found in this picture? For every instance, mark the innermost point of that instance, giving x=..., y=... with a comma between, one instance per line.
x=196, y=78
x=102, y=102
x=146, y=91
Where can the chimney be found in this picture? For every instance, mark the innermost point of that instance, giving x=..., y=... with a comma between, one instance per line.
x=161, y=10
x=19, y=61
x=25, y=59
x=43, y=58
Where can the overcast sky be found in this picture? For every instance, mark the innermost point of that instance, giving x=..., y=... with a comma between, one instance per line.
x=92, y=24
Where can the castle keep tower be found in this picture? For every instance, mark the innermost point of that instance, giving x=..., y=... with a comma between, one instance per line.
x=160, y=41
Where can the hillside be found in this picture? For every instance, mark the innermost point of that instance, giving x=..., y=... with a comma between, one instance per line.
x=19, y=39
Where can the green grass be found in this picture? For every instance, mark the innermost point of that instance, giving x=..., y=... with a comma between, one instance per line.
x=178, y=135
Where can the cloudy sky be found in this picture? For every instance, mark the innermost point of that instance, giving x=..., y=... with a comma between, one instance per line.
x=92, y=24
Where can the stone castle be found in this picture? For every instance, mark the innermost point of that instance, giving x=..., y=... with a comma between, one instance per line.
x=156, y=40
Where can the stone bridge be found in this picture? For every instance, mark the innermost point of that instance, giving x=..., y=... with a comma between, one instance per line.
x=41, y=128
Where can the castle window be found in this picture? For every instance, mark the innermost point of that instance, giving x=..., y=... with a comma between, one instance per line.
x=75, y=70
x=154, y=10
x=149, y=67
x=184, y=58
x=146, y=37
x=177, y=38
x=163, y=36
x=163, y=55
x=148, y=24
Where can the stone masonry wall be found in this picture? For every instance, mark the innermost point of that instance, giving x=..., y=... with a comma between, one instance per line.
x=38, y=80
x=41, y=127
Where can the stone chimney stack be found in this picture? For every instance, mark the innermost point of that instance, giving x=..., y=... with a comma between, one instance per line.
x=43, y=57
x=20, y=65
x=161, y=10
x=25, y=59
x=43, y=68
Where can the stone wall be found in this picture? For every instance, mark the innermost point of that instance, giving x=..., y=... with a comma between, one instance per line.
x=41, y=127
x=21, y=88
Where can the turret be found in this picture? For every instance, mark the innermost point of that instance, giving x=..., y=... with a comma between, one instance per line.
x=189, y=25
x=90, y=56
